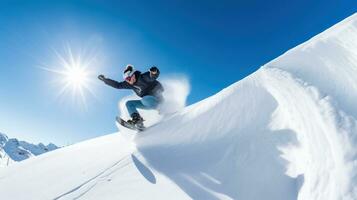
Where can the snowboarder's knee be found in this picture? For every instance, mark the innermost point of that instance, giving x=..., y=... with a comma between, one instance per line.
x=129, y=103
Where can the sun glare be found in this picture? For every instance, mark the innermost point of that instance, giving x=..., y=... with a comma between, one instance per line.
x=74, y=74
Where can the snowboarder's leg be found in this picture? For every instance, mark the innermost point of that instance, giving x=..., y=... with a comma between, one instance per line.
x=132, y=106
x=136, y=119
x=147, y=102
x=150, y=102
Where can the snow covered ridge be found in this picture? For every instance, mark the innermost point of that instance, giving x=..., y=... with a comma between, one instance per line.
x=13, y=150
x=286, y=132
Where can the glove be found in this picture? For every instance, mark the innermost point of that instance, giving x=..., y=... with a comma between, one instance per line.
x=101, y=77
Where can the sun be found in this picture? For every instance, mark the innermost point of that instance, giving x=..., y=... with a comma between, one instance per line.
x=74, y=74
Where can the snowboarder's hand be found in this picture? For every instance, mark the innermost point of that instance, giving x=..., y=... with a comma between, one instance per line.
x=101, y=77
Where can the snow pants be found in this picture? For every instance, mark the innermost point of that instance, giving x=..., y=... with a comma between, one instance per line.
x=147, y=102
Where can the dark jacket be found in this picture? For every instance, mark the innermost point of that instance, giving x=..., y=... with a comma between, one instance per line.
x=144, y=85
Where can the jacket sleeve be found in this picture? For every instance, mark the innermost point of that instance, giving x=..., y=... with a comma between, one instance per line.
x=160, y=88
x=118, y=85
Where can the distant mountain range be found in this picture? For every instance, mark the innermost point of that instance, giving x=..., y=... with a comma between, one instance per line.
x=13, y=150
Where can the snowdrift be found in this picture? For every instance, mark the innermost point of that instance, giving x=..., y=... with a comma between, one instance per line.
x=288, y=131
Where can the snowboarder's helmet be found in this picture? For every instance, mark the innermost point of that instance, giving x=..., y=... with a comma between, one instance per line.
x=154, y=72
x=154, y=69
x=128, y=71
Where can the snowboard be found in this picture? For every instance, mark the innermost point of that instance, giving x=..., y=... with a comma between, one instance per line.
x=128, y=125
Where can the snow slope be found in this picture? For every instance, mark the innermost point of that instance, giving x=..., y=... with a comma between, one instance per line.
x=288, y=131
x=12, y=150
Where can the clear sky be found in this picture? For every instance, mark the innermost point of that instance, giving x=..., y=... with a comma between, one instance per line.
x=213, y=43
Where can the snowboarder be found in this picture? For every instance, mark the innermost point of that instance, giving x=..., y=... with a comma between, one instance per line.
x=145, y=85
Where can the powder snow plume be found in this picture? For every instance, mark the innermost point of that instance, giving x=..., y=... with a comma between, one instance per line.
x=176, y=91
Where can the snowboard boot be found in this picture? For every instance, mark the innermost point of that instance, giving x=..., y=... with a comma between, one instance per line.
x=136, y=120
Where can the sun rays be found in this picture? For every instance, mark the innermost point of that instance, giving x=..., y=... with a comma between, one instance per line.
x=74, y=75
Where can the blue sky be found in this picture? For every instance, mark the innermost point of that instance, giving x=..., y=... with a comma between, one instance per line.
x=213, y=43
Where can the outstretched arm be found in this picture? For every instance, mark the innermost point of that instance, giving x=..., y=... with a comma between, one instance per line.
x=115, y=84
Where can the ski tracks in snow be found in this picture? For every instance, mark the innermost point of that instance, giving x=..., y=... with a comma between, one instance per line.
x=88, y=185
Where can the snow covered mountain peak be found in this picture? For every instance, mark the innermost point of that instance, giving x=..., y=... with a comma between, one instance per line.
x=3, y=139
x=287, y=131
x=12, y=150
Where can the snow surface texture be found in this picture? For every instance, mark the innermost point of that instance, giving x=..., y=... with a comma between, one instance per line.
x=13, y=150
x=288, y=131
